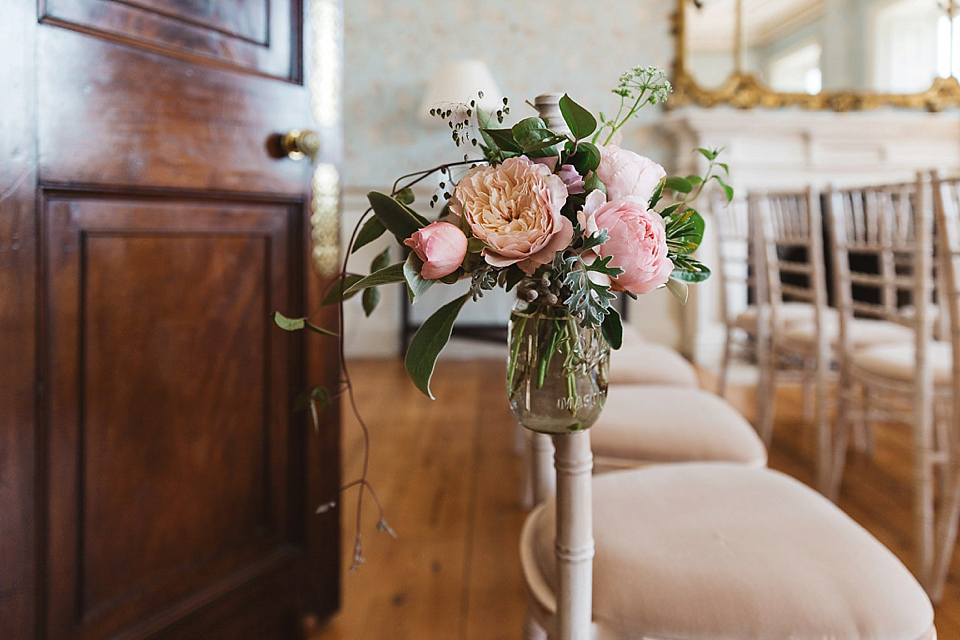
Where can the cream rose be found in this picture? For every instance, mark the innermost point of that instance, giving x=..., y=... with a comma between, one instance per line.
x=626, y=174
x=514, y=208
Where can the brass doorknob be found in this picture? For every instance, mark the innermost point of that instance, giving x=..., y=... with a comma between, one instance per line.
x=297, y=144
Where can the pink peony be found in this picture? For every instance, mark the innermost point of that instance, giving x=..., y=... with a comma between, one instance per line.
x=442, y=247
x=637, y=241
x=627, y=174
x=514, y=208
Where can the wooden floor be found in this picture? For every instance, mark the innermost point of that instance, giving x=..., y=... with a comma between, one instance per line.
x=448, y=477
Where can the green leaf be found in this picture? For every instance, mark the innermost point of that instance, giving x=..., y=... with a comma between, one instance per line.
x=686, y=229
x=581, y=122
x=678, y=289
x=689, y=275
x=513, y=277
x=475, y=245
x=400, y=220
x=333, y=295
x=724, y=166
x=320, y=330
x=694, y=179
x=387, y=275
x=709, y=154
x=671, y=209
x=594, y=183
x=727, y=189
x=678, y=184
x=586, y=159
x=502, y=139
x=612, y=329
x=314, y=394
x=382, y=261
x=657, y=194
x=416, y=284
x=370, y=231
x=370, y=300
x=405, y=196
x=429, y=341
x=530, y=131
x=288, y=324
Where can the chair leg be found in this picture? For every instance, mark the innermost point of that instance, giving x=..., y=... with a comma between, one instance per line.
x=840, y=437
x=825, y=465
x=946, y=536
x=863, y=440
x=766, y=395
x=725, y=364
x=924, y=506
x=809, y=397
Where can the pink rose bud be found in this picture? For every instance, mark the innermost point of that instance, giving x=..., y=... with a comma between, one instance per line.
x=637, y=243
x=626, y=174
x=441, y=246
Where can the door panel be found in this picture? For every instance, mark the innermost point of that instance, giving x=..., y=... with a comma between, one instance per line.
x=256, y=35
x=170, y=429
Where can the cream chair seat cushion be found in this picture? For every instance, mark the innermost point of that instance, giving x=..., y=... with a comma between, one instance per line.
x=712, y=550
x=650, y=363
x=862, y=331
x=661, y=423
x=789, y=313
x=898, y=361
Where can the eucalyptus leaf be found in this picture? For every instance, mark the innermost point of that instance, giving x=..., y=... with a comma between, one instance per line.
x=370, y=231
x=312, y=327
x=429, y=341
x=416, y=284
x=387, y=275
x=400, y=220
x=333, y=295
x=370, y=300
x=581, y=122
x=405, y=196
x=678, y=289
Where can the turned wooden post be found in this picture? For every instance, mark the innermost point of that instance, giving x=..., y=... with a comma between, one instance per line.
x=574, y=541
x=543, y=478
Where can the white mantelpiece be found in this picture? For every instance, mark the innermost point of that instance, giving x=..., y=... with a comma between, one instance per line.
x=788, y=149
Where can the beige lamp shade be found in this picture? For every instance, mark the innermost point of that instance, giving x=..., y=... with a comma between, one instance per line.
x=458, y=82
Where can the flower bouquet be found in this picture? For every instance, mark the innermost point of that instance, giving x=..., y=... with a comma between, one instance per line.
x=555, y=210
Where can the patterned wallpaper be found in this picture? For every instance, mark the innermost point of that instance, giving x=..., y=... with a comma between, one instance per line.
x=531, y=46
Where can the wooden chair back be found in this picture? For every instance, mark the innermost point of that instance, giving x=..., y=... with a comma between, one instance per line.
x=881, y=241
x=791, y=239
x=737, y=267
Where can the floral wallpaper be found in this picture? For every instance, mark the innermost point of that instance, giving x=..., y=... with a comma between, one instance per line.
x=392, y=47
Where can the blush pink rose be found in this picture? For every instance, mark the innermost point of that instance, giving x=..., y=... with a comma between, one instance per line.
x=637, y=241
x=441, y=246
x=514, y=208
x=626, y=174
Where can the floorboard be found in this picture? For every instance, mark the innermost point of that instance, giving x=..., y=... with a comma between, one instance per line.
x=447, y=475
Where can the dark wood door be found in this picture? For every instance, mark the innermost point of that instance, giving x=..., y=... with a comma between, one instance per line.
x=154, y=479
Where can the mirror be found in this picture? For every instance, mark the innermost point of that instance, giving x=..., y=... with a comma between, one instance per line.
x=836, y=54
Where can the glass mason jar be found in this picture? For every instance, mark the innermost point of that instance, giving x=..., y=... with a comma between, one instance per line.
x=556, y=370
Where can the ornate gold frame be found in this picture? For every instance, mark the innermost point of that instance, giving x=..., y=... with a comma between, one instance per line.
x=745, y=91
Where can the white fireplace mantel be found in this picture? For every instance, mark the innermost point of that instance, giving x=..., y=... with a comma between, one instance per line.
x=790, y=149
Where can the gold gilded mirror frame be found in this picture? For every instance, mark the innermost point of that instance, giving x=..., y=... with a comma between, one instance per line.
x=745, y=91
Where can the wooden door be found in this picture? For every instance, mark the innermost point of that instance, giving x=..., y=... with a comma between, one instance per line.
x=154, y=479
